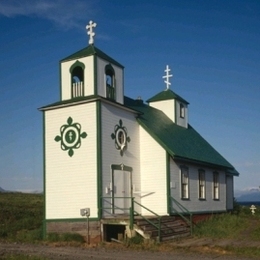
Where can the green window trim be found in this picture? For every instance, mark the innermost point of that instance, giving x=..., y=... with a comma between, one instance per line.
x=99, y=157
x=77, y=64
x=168, y=182
x=77, y=79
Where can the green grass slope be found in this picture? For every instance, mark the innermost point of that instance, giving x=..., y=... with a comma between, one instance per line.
x=21, y=216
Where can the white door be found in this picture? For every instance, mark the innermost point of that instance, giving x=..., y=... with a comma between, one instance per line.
x=121, y=192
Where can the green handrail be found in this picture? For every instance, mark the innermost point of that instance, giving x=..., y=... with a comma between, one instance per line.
x=113, y=204
x=158, y=227
x=132, y=212
x=183, y=211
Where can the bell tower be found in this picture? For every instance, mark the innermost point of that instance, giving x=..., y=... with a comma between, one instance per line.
x=90, y=72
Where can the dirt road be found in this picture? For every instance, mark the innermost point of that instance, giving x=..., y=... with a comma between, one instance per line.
x=101, y=253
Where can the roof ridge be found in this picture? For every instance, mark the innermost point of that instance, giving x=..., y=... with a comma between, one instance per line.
x=91, y=50
x=166, y=94
x=181, y=143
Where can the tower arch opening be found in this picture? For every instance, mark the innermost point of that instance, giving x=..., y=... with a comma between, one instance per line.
x=110, y=82
x=77, y=79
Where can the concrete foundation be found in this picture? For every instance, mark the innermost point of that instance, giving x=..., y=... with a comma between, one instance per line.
x=91, y=231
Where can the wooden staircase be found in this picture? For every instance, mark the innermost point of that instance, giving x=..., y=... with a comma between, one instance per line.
x=171, y=227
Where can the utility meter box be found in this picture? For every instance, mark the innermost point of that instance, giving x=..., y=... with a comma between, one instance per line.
x=85, y=212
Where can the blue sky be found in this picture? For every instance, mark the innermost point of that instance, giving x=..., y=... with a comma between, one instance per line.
x=212, y=48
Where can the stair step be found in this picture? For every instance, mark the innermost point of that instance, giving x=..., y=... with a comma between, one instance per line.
x=167, y=232
x=170, y=225
x=171, y=228
x=164, y=219
x=166, y=238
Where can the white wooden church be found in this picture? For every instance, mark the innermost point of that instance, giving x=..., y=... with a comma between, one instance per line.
x=113, y=163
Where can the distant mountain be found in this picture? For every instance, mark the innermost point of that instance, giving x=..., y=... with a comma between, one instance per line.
x=248, y=195
x=30, y=191
x=21, y=191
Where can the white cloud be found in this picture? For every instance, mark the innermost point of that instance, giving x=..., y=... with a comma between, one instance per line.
x=248, y=164
x=239, y=192
x=64, y=13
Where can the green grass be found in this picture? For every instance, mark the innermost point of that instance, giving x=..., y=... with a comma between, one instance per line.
x=65, y=237
x=255, y=235
x=21, y=216
x=238, y=226
x=21, y=220
x=221, y=226
x=230, y=226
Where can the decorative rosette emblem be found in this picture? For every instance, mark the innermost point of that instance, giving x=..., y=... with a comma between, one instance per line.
x=70, y=136
x=120, y=137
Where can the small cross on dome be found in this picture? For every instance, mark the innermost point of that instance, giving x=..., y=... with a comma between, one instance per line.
x=167, y=77
x=91, y=34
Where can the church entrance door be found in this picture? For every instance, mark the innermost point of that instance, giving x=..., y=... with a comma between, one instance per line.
x=122, y=192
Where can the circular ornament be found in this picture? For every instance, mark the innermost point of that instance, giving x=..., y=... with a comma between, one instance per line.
x=70, y=136
x=120, y=137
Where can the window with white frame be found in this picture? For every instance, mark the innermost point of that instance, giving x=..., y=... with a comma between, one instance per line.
x=215, y=185
x=202, y=185
x=184, y=183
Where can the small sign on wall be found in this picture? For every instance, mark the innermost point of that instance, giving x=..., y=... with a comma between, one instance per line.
x=85, y=212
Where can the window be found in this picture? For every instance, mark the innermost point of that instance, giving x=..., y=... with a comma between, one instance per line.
x=182, y=110
x=121, y=138
x=215, y=186
x=202, y=193
x=184, y=183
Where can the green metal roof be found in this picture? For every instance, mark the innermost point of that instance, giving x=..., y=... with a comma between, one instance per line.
x=91, y=50
x=181, y=143
x=165, y=95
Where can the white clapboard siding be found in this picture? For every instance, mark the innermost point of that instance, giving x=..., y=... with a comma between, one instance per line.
x=110, y=155
x=101, y=80
x=153, y=175
x=230, y=192
x=194, y=204
x=167, y=106
x=70, y=182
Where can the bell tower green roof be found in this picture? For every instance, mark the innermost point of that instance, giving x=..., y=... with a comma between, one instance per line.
x=89, y=51
x=166, y=95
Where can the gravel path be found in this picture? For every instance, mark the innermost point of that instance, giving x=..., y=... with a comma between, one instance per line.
x=101, y=253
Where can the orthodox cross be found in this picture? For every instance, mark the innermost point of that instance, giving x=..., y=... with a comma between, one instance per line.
x=167, y=77
x=91, y=34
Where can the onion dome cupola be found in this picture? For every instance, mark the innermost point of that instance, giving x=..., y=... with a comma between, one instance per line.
x=174, y=106
x=91, y=72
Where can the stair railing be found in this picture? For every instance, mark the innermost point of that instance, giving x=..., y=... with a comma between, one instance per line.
x=182, y=212
x=134, y=213
x=111, y=206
